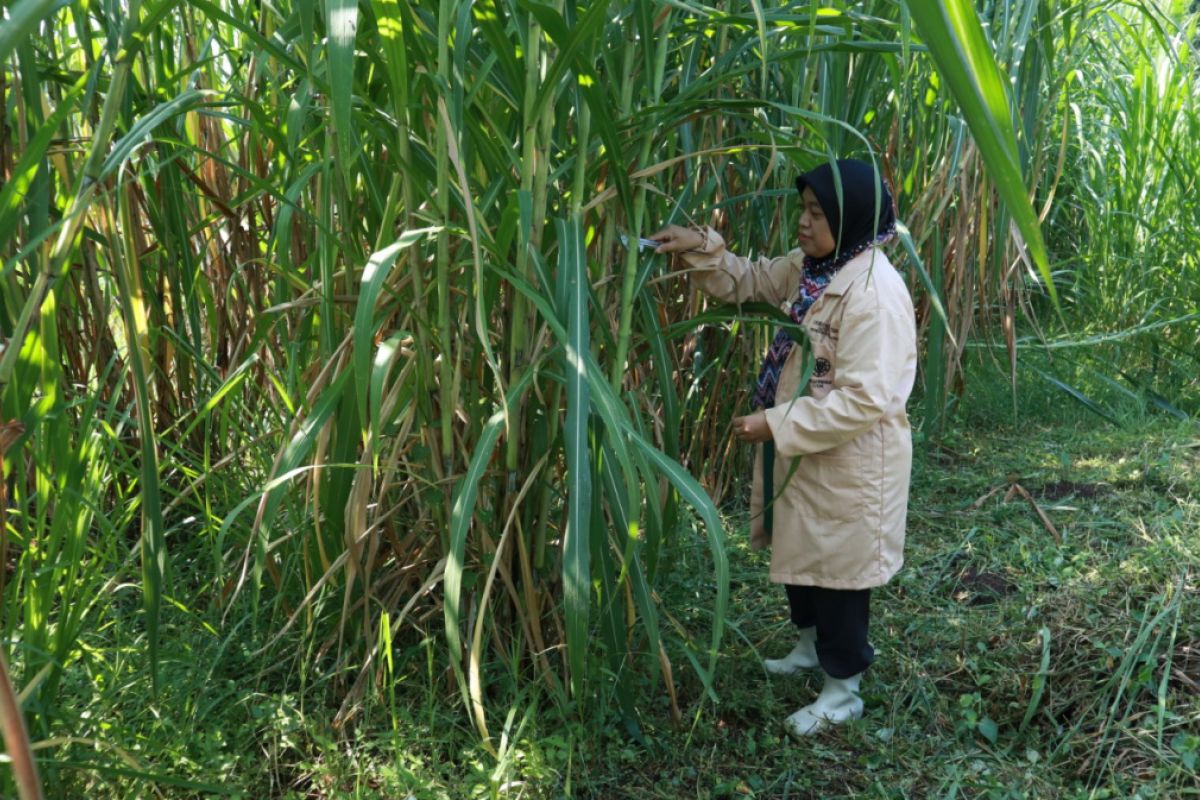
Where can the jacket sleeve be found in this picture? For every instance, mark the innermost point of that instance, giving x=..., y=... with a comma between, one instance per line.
x=876, y=349
x=733, y=279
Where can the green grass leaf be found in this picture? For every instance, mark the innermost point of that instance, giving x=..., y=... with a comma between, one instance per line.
x=378, y=267
x=12, y=194
x=341, y=18
x=695, y=496
x=462, y=511
x=572, y=262
x=22, y=18
x=966, y=63
x=141, y=130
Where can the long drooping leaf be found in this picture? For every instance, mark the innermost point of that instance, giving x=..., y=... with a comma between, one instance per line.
x=965, y=61
x=141, y=130
x=378, y=268
x=465, y=495
x=137, y=331
x=460, y=524
x=576, y=546
x=695, y=496
x=1087, y=402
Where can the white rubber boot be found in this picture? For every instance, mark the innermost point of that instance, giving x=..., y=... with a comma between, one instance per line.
x=838, y=702
x=803, y=655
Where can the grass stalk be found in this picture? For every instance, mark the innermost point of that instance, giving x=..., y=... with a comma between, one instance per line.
x=16, y=739
x=137, y=332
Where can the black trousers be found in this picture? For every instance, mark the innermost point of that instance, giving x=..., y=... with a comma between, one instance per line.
x=840, y=616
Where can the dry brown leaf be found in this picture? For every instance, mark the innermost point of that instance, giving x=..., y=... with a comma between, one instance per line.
x=1049, y=526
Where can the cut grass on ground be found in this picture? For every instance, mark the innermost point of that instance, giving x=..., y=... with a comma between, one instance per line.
x=1008, y=664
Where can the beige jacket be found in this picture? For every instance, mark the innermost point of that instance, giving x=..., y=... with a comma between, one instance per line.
x=839, y=521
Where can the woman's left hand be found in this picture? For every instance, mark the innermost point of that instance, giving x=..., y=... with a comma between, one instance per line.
x=752, y=428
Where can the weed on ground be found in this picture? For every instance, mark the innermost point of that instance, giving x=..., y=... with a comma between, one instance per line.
x=1041, y=640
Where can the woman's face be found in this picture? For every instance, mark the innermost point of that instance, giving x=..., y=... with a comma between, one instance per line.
x=816, y=239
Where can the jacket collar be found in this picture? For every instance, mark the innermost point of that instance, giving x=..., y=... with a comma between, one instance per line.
x=854, y=269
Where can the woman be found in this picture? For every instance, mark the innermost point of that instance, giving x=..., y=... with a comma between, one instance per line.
x=835, y=519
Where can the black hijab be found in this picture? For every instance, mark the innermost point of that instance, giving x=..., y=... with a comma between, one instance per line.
x=864, y=212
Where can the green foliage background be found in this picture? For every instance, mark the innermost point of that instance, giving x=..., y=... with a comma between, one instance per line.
x=317, y=316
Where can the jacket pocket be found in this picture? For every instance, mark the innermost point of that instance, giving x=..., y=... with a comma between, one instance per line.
x=829, y=487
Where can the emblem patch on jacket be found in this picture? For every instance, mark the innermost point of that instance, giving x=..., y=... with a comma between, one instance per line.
x=822, y=367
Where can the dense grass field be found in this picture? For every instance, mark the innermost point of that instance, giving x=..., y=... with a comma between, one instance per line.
x=348, y=450
x=1040, y=646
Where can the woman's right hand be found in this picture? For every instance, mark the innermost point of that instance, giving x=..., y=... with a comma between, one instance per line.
x=677, y=239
